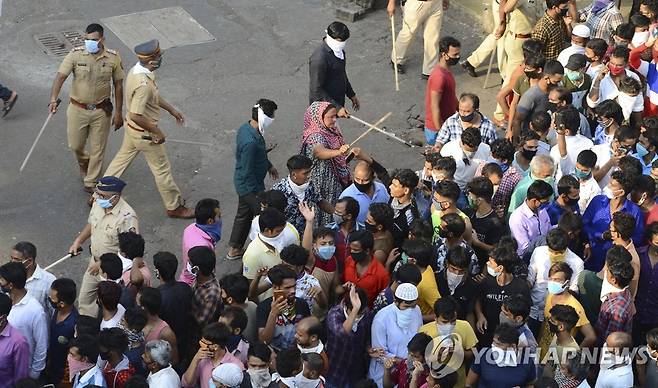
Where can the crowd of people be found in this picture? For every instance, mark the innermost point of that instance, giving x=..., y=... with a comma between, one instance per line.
x=521, y=253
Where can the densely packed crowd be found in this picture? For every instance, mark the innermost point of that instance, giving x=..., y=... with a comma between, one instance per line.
x=522, y=252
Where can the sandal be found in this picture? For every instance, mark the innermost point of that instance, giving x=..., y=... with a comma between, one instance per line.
x=9, y=106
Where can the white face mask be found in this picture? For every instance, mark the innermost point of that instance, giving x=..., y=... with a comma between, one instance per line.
x=607, y=191
x=626, y=102
x=445, y=329
x=453, y=280
x=355, y=324
x=276, y=242
x=503, y=357
x=264, y=120
x=404, y=317
x=317, y=349
x=299, y=381
x=640, y=38
x=336, y=46
x=298, y=190
x=607, y=288
x=260, y=378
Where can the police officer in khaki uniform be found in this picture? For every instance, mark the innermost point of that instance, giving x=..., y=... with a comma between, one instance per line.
x=144, y=103
x=109, y=216
x=95, y=69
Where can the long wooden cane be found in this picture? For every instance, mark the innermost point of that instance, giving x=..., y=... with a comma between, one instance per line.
x=395, y=54
x=372, y=126
x=493, y=54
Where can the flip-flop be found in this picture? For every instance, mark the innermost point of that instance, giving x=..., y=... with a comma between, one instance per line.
x=9, y=106
x=236, y=257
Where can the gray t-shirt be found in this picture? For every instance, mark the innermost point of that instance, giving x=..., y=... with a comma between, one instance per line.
x=652, y=374
x=534, y=100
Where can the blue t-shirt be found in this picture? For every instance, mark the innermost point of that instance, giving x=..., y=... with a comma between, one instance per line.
x=555, y=211
x=494, y=376
x=380, y=195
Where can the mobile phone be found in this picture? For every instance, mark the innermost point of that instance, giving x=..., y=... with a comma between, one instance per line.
x=278, y=294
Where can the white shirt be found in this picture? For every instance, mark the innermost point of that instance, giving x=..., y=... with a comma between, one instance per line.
x=28, y=317
x=575, y=144
x=114, y=321
x=621, y=377
x=563, y=58
x=38, y=287
x=289, y=235
x=93, y=376
x=593, y=71
x=465, y=173
x=538, y=269
x=603, y=154
x=588, y=190
x=164, y=378
x=608, y=91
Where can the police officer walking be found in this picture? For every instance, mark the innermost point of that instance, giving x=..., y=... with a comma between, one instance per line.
x=144, y=103
x=95, y=69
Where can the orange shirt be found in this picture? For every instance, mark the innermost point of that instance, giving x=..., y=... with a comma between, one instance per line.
x=372, y=281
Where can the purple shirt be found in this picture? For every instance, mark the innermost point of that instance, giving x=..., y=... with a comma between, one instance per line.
x=193, y=237
x=526, y=226
x=346, y=350
x=647, y=289
x=14, y=357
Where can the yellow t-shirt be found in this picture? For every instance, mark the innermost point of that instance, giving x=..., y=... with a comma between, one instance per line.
x=428, y=292
x=547, y=336
x=468, y=340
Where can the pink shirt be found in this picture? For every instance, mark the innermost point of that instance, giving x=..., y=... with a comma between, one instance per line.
x=146, y=273
x=203, y=371
x=193, y=237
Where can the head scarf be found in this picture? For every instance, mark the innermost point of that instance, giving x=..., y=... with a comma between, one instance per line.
x=314, y=124
x=600, y=4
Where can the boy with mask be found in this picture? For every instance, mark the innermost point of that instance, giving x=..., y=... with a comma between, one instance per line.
x=404, y=184
x=646, y=147
x=205, y=231
x=365, y=189
x=595, y=51
x=530, y=220
x=579, y=37
x=277, y=200
x=455, y=281
x=487, y=225
x=361, y=261
x=400, y=372
x=617, y=307
x=307, y=336
x=568, y=195
x=346, y=212
x=515, y=312
x=562, y=319
x=236, y=319
x=62, y=326
x=644, y=195
x=589, y=187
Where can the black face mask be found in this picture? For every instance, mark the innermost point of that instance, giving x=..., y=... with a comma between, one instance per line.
x=563, y=12
x=358, y=256
x=363, y=187
x=467, y=118
x=53, y=304
x=528, y=154
x=572, y=201
x=532, y=74
x=5, y=290
x=452, y=61
x=552, y=107
x=553, y=327
x=443, y=233
x=371, y=228
x=104, y=355
x=589, y=59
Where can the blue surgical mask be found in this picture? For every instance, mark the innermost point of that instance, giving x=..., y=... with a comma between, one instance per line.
x=555, y=288
x=92, y=46
x=641, y=150
x=582, y=174
x=574, y=76
x=503, y=166
x=492, y=272
x=104, y=203
x=326, y=252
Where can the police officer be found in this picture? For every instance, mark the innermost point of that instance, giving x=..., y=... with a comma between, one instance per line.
x=144, y=103
x=95, y=69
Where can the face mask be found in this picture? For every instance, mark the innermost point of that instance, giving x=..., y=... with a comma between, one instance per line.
x=503, y=357
x=605, y=123
x=363, y=187
x=404, y=317
x=53, y=304
x=5, y=290
x=453, y=279
x=326, y=252
x=298, y=190
x=443, y=233
x=213, y=230
x=553, y=327
x=556, y=288
x=302, y=381
x=639, y=38
x=502, y=318
x=492, y=272
x=191, y=269
x=563, y=12
x=264, y=121
x=528, y=154
x=607, y=191
x=338, y=219
x=260, y=378
x=437, y=177
x=556, y=257
x=276, y=242
x=495, y=187
x=467, y=118
x=607, y=288
x=615, y=70
x=76, y=366
x=641, y=150
x=472, y=202
x=582, y=175
x=92, y=46
x=452, y=61
x=469, y=154
x=552, y=107
x=574, y=76
x=104, y=203
x=371, y=228
x=445, y=329
x=156, y=63
x=532, y=74
x=572, y=201
x=336, y=46
x=104, y=355
x=358, y=256
x=651, y=354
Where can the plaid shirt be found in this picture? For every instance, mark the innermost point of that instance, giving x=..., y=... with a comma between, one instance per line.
x=207, y=297
x=508, y=182
x=603, y=23
x=553, y=33
x=292, y=212
x=346, y=351
x=616, y=314
x=452, y=129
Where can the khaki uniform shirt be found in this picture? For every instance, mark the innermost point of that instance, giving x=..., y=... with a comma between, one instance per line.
x=93, y=74
x=524, y=16
x=105, y=227
x=142, y=94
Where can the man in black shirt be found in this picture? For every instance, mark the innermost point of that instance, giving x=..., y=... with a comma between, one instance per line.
x=176, y=307
x=486, y=224
x=455, y=281
x=402, y=187
x=328, y=77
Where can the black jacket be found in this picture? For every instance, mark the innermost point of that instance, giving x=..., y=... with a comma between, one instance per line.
x=328, y=78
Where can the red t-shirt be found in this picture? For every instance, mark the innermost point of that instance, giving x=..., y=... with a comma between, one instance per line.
x=372, y=281
x=652, y=215
x=442, y=81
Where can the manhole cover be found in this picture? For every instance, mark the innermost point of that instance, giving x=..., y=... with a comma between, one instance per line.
x=58, y=44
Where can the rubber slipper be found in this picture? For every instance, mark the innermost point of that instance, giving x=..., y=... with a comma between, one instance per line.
x=9, y=106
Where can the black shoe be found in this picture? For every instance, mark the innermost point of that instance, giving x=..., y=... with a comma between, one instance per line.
x=424, y=76
x=401, y=69
x=469, y=69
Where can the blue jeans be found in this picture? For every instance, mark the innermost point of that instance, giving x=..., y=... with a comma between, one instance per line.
x=5, y=94
x=430, y=136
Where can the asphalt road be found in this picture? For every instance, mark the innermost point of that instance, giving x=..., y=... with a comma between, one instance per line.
x=261, y=50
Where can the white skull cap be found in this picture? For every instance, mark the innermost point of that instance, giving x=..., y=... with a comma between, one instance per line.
x=581, y=30
x=407, y=292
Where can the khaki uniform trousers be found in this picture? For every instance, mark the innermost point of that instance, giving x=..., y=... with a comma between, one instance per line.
x=416, y=13
x=94, y=125
x=157, y=160
x=513, y=56
x=88, y=296
x=486, y=48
